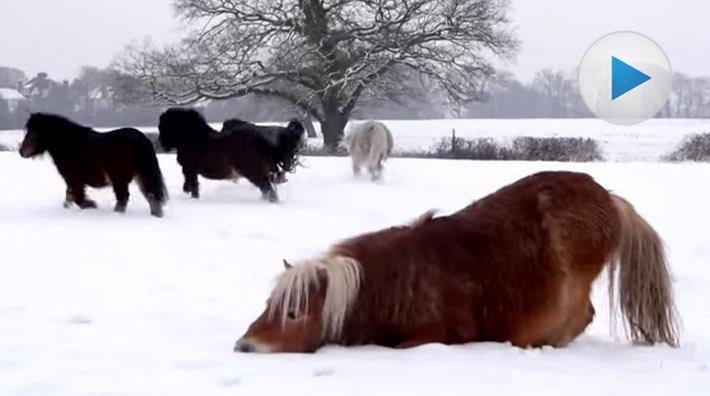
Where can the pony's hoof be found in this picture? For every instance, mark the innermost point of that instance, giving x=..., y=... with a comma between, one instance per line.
x=157, y=213
x=66, y=204
x=120, y=208
x=88, y=204
x=271, y=196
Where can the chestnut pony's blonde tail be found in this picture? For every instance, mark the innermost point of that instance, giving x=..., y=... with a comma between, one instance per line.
x=645, y=293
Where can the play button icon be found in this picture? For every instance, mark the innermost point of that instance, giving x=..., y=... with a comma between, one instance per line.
x=625, y=78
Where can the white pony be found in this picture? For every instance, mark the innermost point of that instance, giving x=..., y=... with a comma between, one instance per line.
x=369, y=144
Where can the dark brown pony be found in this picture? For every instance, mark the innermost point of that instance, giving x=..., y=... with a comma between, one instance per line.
x=286, y=142
x=240, y=150
x=515, y=266
x=85, y=157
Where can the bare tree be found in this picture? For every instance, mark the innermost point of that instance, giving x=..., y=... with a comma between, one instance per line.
x=690, y=97
x=325, y=55
x=557, y=88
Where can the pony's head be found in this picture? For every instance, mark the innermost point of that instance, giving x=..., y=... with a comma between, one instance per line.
x=295, y=125
x=179, y=125
x=307, y=307
x=43, y=131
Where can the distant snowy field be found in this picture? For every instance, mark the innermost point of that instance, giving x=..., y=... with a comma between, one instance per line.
x=96, y=303
x=648, y=141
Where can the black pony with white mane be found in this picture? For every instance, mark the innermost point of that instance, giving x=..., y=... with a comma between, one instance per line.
x=241, y=149
x=85, y=157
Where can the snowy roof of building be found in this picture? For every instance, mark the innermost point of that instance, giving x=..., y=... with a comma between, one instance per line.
x=11, y=94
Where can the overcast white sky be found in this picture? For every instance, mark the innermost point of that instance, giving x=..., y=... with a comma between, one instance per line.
x=58, y=36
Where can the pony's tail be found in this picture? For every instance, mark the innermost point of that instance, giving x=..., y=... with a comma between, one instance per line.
x=289, y=143
x=379, y=144
x=150, y=178
x=645, y=293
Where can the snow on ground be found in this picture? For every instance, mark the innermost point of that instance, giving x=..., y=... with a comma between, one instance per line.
x=648, y=141
x=96, y=303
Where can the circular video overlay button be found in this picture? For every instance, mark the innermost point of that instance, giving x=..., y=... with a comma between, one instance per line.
x=625, y=78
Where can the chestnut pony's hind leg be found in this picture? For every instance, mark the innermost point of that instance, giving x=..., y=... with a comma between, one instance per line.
x=579, y=314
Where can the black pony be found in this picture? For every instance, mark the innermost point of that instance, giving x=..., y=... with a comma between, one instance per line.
x=240, y=150
x=85, y=157
x=286, y=142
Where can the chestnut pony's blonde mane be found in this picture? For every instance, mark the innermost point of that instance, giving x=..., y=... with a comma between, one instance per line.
x=292, y=287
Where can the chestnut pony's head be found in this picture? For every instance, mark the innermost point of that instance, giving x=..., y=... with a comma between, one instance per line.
x=307, y=307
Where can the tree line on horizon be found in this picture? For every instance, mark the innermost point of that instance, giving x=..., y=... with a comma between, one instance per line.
x=322, y=60
x=102, y=98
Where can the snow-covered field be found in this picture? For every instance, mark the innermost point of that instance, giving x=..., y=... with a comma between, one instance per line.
x=96, y=303
x=648, y=141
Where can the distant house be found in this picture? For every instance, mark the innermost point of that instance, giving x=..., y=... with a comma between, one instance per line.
x=13, y=98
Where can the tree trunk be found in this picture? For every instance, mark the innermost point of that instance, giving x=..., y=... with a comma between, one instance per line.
x=308, y=125
x=332, y=128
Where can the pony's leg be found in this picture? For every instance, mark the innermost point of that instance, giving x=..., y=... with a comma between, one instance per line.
x=80, y=199
x=280, y=178
x=269, y=193
x=120, y=189
x=191, y=184
x=579, y=317
x=68, y=198
x=375, y=171
x=156, y=208
x=356, y=166
x=263, y=182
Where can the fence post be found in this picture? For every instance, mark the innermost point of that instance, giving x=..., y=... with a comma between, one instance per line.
x=453, y=143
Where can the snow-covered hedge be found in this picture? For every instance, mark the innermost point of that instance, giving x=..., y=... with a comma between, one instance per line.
x=692, y=148
x=569, y=149
x=521, y=149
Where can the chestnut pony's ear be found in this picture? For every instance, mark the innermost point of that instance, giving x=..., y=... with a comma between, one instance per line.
x=287, y=265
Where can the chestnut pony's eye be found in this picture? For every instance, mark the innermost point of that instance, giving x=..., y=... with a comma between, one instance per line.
x=291, y=314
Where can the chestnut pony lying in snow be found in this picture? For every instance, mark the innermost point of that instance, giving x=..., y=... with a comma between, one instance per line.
x=515, y=266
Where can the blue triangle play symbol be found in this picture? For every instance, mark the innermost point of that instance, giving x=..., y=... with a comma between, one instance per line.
x=624, y=78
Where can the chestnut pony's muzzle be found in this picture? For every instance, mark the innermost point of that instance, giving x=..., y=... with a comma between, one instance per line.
x=242, y=346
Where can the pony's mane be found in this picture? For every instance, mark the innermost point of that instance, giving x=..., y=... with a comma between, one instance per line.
x=423, y=218
x=292, y=287
x=176, y=120
x=45, y=122
x=235, y=123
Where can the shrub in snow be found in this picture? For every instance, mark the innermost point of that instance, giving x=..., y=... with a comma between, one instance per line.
x=692, y=148
x=556, y=149
x=472, y=149
x=521, y=149
x=317, y=150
